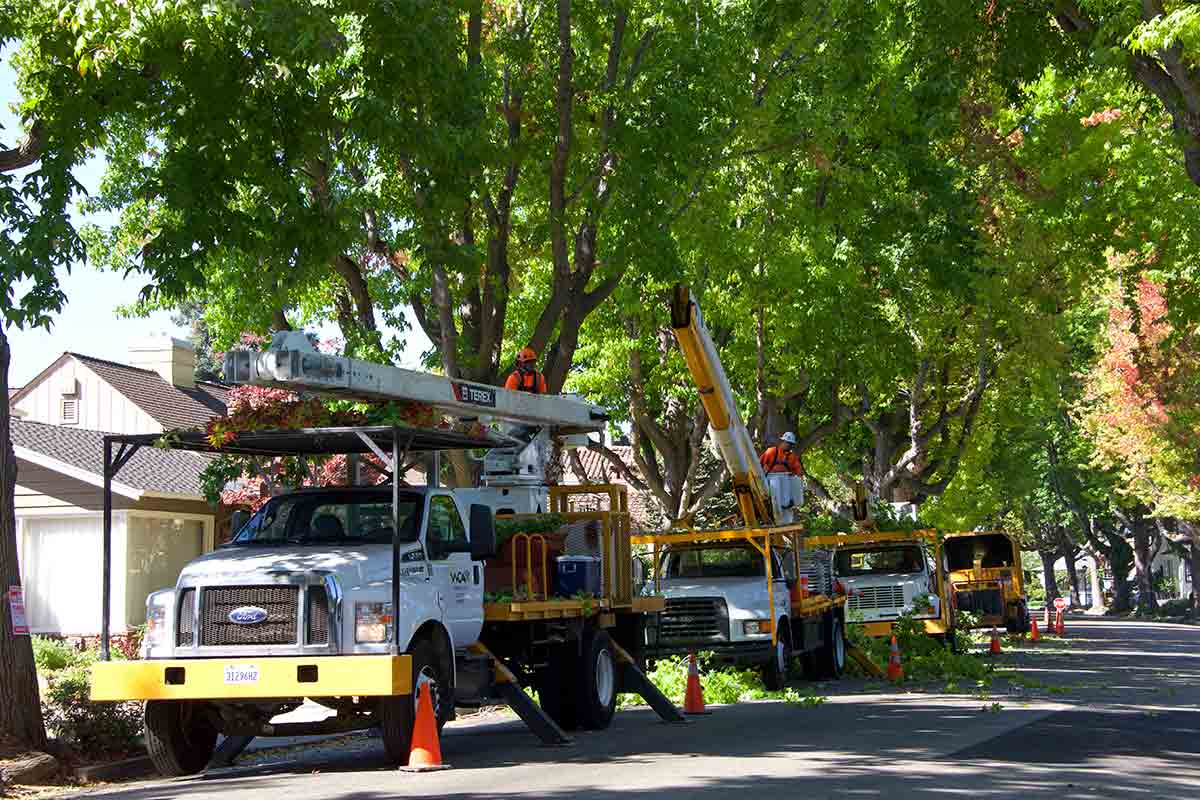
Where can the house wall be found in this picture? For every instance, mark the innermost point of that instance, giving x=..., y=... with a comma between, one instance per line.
x=61, y=553
x=100, y=407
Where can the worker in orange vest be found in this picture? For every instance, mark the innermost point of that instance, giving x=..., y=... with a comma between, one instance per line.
x=781, y=458
x=525, y=377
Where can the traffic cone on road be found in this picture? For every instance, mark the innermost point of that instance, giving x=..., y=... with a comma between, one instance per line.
x=693, y=700
x=1034, y=634
x=1059, y=628
x=995, y=647
x=1046, y=620
x=426, y=752
x=895, y=671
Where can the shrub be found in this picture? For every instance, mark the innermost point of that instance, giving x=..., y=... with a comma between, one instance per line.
x=52, y=655
x=90, y=728
x=924, y=657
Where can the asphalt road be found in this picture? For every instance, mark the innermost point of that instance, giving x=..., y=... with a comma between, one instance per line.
x=1113, y=710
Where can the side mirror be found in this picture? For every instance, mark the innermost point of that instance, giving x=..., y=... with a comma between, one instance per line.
x=237, y=520
x=483, y=532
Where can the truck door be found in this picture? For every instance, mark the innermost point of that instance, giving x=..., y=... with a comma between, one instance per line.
x=458, y=579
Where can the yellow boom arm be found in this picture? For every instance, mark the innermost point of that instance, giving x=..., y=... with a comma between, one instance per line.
x=737, y=449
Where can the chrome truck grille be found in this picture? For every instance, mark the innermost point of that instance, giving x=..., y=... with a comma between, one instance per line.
x=279, y=627
x=691, y=619
x=873, y=598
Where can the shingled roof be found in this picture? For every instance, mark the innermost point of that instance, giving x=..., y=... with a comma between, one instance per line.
x=169, y=405
x=150, y=469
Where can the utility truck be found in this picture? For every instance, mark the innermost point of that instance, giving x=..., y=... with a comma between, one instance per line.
x=752, y=595
x=357, y=597
x=885, y=574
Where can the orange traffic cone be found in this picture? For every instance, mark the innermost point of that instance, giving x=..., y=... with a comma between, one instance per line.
x=1034, y=634
x=693, y=700
x=1059, y=628
x=995, y=648
x=803, y=587
x=1046, y=621
x=895, y=671
x=426, y=752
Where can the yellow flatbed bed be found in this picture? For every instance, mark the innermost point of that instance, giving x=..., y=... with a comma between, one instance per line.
x=565, y=608
x=816, y=605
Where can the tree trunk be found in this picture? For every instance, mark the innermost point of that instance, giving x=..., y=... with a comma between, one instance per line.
x=1120, y=561
x=1048, y=577
x=1143, y=562
x=1068, y=555
x=1193, y=529
x=22, y=712
x=1094, y=577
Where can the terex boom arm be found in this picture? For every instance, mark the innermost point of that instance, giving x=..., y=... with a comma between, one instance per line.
x=749, y=482
x=292, y=362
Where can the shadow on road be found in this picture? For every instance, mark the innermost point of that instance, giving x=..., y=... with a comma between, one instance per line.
x=1119, y=739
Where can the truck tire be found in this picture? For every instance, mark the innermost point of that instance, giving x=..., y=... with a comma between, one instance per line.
x=831, y=659
x=397, y=715
x=1018, y=621
x=179, y=738
x=775, y=671
x=596, y=697
x=556, y=687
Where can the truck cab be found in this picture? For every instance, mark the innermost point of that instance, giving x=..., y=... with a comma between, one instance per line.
x=717, y=600
x=309, y=574
x=885, y=579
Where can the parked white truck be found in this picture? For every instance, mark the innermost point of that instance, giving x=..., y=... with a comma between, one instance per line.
x=746, y=594
x=718, y=600
x=357, y=596
x=887, y=574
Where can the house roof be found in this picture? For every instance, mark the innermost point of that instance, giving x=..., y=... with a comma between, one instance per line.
x=597, y=466
x=150, y=469
x=169, y=405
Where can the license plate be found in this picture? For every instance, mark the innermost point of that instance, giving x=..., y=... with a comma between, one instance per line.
x=241, y=674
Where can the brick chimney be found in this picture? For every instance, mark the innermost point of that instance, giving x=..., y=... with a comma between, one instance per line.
x=173, y=359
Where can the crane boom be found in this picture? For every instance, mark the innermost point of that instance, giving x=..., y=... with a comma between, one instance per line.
x=293, y=363
x=733, y=438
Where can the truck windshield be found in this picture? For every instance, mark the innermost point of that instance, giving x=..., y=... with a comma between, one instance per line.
x=717, y=562
x=992, y=549
x=879, y=561
x=347, y=517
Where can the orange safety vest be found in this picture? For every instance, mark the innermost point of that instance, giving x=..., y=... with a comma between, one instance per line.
x=775, y=460
x=532, y=381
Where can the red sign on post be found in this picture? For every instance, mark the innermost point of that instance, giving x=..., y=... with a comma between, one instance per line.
x=1060, y=603
x=16, y=607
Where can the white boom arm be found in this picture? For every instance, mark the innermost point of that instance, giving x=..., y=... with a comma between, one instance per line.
x=292, y=362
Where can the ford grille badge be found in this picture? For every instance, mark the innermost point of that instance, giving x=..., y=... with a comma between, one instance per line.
x=248, y=615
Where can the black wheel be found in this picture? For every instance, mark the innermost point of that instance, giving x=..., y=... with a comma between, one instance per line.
x=179, y=737
x=556, y=687
x=831, y=658
x=596, y=682
x=1018, y=620
x=398, y=715
x=775, y=671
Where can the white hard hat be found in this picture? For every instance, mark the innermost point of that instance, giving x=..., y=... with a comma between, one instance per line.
x=788, y=437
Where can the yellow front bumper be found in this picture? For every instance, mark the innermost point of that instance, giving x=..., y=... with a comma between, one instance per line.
x=252, y=678
x=933, y=627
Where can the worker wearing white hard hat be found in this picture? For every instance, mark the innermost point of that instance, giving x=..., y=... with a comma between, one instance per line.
x=781, y=457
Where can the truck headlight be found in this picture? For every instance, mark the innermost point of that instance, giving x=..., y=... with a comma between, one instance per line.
x=754, y=627
x=158, y=627
x=372, y=622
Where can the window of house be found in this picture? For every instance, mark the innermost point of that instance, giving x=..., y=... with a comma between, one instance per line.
x=69, y=411
x=445, y=525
